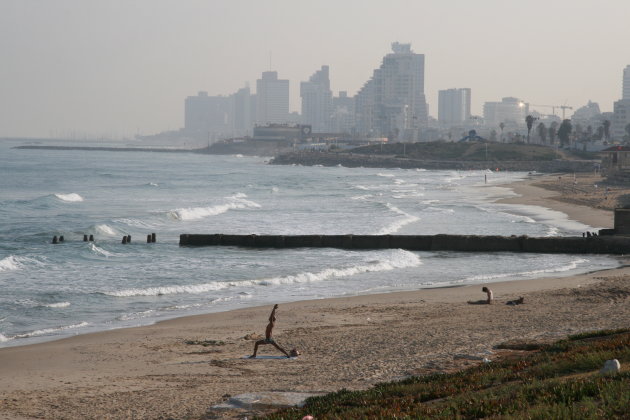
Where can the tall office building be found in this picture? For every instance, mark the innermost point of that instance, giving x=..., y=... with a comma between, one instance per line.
x=392, y=102
x=241, y=117
x=317, y=101
x=626, y=83
x=343, y=115
x=453, y=106
x=206, y=115
x=272, y=99
x=511, y=111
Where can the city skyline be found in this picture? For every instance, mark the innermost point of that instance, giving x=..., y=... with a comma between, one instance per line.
x=123, y=68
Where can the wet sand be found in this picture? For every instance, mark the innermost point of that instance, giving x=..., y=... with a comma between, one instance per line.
x=158, y=371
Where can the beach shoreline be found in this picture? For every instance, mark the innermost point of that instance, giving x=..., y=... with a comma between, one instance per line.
x=181, y=367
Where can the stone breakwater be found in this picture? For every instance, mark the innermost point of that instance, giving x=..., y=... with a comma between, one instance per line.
x=463, y=243
x=353, y=160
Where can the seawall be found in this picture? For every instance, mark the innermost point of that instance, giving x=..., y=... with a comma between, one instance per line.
x=353, y=160
x=463, y=243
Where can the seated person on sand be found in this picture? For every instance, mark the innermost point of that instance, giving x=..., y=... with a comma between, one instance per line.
x=269, y=340
x=489, y=299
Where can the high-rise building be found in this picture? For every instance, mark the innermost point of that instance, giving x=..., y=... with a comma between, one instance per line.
x=626, y=83
x=317, y=101
x=510, y=111
x=206, y=115
x=392, y=102
x=272, y=99
x=241, y=117
x=343, y=116
x=453, y=106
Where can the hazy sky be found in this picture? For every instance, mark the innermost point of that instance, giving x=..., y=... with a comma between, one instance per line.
x=121, y=67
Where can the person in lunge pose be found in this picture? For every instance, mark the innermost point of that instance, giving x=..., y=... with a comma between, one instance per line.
x=268, y=338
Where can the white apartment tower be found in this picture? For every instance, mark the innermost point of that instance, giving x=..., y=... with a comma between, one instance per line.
x=453, y=106
x=392, y=103
x=272, y=99
x=317, y=101
x=626, y=83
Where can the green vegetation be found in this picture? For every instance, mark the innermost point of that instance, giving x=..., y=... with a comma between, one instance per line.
x=559, y=381
x=463, y=151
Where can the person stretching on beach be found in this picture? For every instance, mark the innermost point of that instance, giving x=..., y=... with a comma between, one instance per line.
x=489, y=293
x=268, y=339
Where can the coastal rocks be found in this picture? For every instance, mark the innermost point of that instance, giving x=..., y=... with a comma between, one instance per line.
x=353, y=160
x=611, y=367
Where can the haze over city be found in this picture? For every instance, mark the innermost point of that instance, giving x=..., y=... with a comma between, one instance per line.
x=120, y=68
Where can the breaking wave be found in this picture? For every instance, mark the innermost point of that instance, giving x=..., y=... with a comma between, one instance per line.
x=399, y=259
x=235, y=202
x=398, y=224
x=72, y=197
x=533, y=273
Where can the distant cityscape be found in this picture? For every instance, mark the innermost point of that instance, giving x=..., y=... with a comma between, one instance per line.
x=391, y=106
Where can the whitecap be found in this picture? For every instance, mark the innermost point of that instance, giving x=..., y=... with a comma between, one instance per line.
x=396, y=259
x=385, y=175
x=235, y=202
x=101, y=251
x=10, y=263
x=3, y=338
x=572, y=265
x=398, y=224
x=72, y=197
x=47, y=331
x=57, y=305
x=105, y=230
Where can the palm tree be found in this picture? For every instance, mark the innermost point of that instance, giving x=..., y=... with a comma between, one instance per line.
x=542, y=132
x=552, y=132
x=564, y=132
x=502, y=126
x=529, y=120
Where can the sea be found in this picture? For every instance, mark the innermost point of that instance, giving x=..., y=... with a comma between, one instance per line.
x=50, y=291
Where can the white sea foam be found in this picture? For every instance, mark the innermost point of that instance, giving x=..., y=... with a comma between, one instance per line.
x=385, y=175
x=153, y=184
x=397, y=259
x=398, y=224
x=3, y=338
x=105, y=230
x=361, y=197
x=235, y=202
x=134, y=222
x=101, y=251
x=72, y=197
x=10, y=263
x=57, y=305
x=47, y=331
x=533, y=273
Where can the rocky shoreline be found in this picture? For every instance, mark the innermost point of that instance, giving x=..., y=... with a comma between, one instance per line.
x=353, y=160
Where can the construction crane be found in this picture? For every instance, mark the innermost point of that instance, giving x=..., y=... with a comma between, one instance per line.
x=553, y=108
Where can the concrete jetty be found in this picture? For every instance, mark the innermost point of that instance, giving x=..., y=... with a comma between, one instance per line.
x=612, y=244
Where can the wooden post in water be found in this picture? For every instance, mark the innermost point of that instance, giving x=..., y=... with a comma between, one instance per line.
x=61, y=238
x=85, y=238
x=149, y=238
x=128, y=239
x=91, y=238
x=153, y=237
x=54, y=241
x=124, y=239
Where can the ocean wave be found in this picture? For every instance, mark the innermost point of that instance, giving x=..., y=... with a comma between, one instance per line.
x=57, y=305
x=72, y=197
x=47, y=331
x=10, y=263
x=105, y=230
x=235, y=202
x=3, y=338
x=385, y=175
x=560, y=269
x=153, y=184
x=101, y=251
x=362, y=197
x=134, y=223
x=397, y=259
x=398, y=224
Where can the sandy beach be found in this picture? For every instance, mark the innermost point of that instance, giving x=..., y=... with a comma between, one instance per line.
x=164, y=370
